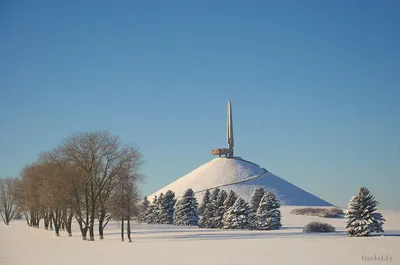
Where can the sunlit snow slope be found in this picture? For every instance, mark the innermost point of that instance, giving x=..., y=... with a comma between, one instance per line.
x=243, y=177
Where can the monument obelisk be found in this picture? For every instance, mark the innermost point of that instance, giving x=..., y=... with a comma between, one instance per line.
x=228, y=152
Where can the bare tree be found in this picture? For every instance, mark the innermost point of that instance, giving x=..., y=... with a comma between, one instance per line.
x=8, y=201
x=80, y=178
x=126, y=163
x=124, y=200
x=99, y=158
x=54, y=191
x=77, y=200
x=28, y=195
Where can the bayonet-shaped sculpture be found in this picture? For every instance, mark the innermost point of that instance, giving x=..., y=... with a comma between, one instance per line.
x=228, y=152
x=229, y=129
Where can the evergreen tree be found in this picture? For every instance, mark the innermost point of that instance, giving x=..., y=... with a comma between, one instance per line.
x=144, y=206
x=273, y=203
x=159, y=209
x=214, y=195
x=261, y=215
x=268, y=215
x=254, y=203
x=213, y=208
x=167, y=208
x=237, y=216
x=204, y=210
x=219, y=210
x=186, y=210
x=362, y=220
x=230, y=200
x=177, y=207
x=150, y=213
x=206, y=200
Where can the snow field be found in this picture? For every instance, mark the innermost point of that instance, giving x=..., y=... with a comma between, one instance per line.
x=164, y=244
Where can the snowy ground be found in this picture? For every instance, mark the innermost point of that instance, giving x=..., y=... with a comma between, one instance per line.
x=162, y=244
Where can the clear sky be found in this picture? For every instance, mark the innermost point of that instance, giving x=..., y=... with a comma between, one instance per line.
x=314, y=86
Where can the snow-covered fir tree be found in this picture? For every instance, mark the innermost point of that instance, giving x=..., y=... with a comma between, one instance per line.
x=162, y=216
x=150, y=213
x=144, y=206
x=167, y=204
x=204, y=203
x=176, y=207
x=205, y=210
x=159, y=209
x=362, y=220
x=219, y=210
x=268, y=215
x=230, y=200
x=237, y=216
x=214, y=194
x=274, y=212
x=186, y=210
x=213, y=208
x=254, y=203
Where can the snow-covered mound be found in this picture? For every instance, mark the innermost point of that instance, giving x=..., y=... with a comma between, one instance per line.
x=242, y=177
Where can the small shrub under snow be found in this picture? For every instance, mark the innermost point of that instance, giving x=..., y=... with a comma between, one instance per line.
x=321, y=212
x=318, y=227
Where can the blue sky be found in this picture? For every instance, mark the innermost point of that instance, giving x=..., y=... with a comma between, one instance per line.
x=314, y=86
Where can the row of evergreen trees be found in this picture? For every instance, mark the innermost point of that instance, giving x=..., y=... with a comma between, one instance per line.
x=223, y=210
x=165, y=209
x=218, y=209
x=160, y=211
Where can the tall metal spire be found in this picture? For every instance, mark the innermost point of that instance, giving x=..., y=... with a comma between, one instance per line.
x=229, y=129
x=228, y=152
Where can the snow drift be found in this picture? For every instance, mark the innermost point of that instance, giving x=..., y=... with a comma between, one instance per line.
x=242, y=177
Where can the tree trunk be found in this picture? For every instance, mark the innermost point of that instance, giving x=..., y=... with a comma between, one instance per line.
x=83, y=229
x=122, y=229
x=56, y=229
x=92, y=210
x=64, y=219
x=33, y=220
x=5, y=218
x=27, y=218
x=37, y=220
x=51, y=224
x=84, y=233
x=56, y=219
x=60, y=220
x=92, y=215
x=101, y=231
x=101, y=221
x=79, y=217
x=69, y=224
x=46, y=222
x=128, y=230
x=91, y=232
